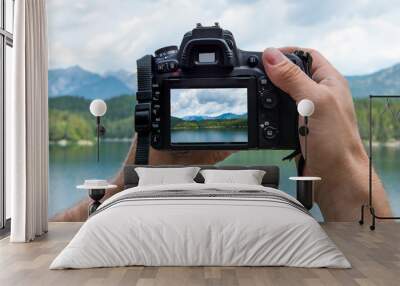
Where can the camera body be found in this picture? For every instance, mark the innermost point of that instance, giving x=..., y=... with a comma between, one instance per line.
x=208, y=94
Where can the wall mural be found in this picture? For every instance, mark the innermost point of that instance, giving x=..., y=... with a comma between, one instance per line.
x=90, y=61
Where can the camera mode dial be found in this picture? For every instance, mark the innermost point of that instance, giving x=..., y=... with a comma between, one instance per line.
x=166, y=51
x=166, y=59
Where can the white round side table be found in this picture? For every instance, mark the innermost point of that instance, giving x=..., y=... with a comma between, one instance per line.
x=96, y=193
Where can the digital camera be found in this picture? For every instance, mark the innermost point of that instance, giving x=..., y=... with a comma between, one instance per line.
x=208, y=94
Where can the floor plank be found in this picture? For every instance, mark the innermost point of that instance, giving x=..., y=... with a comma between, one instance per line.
x=375, y=257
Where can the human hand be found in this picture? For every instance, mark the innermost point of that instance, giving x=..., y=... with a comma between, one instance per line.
x=335, y=149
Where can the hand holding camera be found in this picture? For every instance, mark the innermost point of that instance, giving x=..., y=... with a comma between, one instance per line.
x=210, y=95
x=209, y=62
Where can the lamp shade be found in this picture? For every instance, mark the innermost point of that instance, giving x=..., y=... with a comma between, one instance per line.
x=305, y=107
x=98, y=107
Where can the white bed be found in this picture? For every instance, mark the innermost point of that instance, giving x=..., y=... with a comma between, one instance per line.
x=205, y=230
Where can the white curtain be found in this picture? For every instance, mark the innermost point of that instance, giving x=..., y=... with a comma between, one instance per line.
x=27, y=123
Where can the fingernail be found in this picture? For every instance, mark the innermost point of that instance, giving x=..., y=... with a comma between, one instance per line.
x=273, y=56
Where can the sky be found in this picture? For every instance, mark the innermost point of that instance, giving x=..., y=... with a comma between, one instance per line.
x=208, y=101
x=357, y=36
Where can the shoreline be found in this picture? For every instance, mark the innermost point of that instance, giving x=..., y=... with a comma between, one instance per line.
x=209, y=127
x=89, y=143
x=388, y=144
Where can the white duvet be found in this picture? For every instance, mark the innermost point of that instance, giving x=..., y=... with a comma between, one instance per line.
x=200, y=231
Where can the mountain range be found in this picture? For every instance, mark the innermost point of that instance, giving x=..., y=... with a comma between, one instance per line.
x=385, y=81
x=77, y=81
x=223, y=116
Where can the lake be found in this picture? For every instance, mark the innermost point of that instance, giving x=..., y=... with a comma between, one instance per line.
x=209, y=135
x=71, y=165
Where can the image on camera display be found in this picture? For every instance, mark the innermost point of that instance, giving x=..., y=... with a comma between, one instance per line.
x=209, y=115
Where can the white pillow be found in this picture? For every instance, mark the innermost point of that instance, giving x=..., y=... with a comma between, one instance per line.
x=248, y=177
x=166, y=176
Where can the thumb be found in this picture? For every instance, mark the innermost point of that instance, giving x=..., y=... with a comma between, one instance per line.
x=287, y=76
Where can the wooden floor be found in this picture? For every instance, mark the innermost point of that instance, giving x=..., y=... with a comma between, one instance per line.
x=375, y=257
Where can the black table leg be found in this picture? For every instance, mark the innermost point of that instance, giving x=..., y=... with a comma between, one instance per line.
x=96, y=195
x=305, y=193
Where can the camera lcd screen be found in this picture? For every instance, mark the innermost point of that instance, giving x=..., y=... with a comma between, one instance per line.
x=209, y=115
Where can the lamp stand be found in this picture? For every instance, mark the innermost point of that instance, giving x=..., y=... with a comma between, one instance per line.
x=305, y=138
x=98, y=137
x=100, y=131
x=303, y=130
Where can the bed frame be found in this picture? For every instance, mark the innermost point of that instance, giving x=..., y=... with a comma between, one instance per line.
x=270, y=179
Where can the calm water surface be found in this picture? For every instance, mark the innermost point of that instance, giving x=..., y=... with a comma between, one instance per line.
x=69, y=166
x=209, y=135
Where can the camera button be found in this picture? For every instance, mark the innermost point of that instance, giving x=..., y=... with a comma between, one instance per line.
x=270, y=132
x=155, y=139
x=160, y=67
x=269, y=100
x=156, y=95
x=252, y=61
x=263, y=81
x=172, y=66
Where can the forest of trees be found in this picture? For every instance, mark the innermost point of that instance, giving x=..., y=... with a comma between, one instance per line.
x=386, y=121
x=177, y=123
x=70, y=119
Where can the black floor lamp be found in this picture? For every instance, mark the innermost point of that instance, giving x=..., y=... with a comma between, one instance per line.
x=370, y=204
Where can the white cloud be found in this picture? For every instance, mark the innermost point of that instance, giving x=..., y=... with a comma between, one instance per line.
x=357, y=36
x=208, y=102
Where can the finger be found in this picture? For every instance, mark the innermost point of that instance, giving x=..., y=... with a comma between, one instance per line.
x=321, y=68
x=288, y=76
